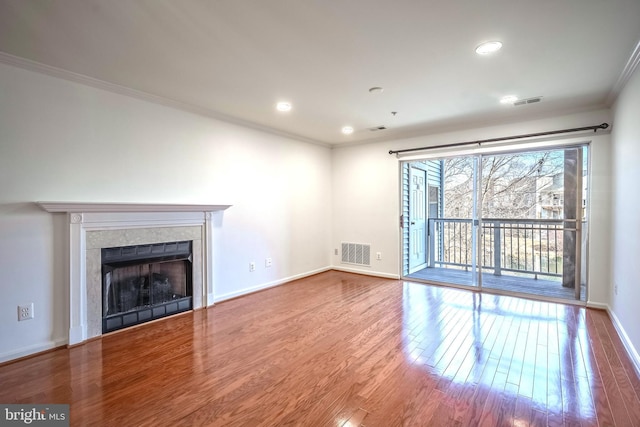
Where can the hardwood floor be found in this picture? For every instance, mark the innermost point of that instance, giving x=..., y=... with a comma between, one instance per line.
x=340, y=349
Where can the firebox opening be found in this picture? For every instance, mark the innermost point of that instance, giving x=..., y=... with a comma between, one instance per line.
x=145, y=282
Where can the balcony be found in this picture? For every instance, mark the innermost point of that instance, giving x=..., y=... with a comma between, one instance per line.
x=515, y=255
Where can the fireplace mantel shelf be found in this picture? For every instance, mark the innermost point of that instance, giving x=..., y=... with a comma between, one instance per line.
x=80, y=207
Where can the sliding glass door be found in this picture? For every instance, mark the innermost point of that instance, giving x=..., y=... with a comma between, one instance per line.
x=448, y=210
x=512, y=223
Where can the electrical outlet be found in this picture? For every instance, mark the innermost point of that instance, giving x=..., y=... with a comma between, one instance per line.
x=25, y=312
x=379, y=256
x=335, y=251
x=252, y=266
x=268, y=262
x=615, y=288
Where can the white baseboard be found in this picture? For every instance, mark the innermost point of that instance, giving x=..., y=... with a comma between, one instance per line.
x=366, y=272
x=211, y=299
x=631, y=350
x=32, y=349
x=77, y=334
x=598, y=305
x=267, y=285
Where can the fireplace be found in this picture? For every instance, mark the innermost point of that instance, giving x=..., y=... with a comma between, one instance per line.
x=145, y=282
x=95, y=226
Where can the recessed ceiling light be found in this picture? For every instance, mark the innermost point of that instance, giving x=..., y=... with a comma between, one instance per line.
x=347, y=130
x=283, y=106
x=509, y=99
x=488, y=47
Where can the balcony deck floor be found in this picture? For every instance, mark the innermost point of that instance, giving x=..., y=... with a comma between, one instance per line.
x=521, y=285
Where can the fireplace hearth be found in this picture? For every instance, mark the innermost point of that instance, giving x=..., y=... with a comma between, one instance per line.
x=145, y=282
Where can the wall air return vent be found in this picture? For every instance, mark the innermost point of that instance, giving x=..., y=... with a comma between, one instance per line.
x=356, y=253
x=528, y=101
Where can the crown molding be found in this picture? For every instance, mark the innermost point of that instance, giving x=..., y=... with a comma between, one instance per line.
x=61, y=73
x=625, y=75
x=30, y=65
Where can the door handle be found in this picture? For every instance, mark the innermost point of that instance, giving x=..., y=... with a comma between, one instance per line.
x=413, y=223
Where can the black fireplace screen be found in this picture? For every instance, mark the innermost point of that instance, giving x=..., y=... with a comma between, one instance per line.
x=145, y=282
x=131, y=288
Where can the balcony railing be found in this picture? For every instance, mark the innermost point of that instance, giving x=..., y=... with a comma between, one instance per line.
x=531, y=246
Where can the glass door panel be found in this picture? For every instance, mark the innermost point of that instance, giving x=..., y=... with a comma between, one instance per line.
x=532, y=218
x=450, y=211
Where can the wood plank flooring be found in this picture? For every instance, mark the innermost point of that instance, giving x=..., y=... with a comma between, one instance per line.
x=339, y=349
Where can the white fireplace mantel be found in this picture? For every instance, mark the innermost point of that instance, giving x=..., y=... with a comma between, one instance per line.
x=57, y=207
x=90, y=217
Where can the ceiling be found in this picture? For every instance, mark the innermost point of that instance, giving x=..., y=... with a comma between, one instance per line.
x=234, y=59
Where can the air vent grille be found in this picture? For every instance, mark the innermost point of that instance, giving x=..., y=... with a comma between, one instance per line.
x=528, y=101
x=356, y=253
x=377, y=128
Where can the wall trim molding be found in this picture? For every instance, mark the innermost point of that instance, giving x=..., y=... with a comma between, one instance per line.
x=285, y=280
x=626, y=341
x=631, y=351
x=267, y=285
x=598, y=305
x=61, y=73
x=630, y=67
x=32, y=350
x=366, y=272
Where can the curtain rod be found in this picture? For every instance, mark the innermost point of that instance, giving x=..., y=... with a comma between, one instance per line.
x=504, y=138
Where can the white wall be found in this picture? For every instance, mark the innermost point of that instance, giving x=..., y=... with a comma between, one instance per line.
x=64, y=141
x=366, y=194
x=626, y=213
